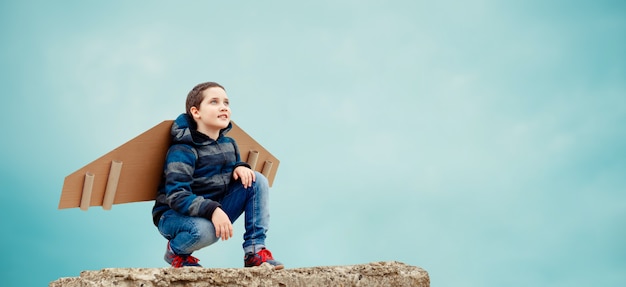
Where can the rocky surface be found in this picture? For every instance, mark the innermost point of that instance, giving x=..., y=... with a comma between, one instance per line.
x=390, y=273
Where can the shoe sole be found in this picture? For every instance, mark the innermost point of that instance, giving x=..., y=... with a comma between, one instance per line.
x=279, y=267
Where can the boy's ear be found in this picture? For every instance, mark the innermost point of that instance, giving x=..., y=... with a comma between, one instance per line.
x=195, y=112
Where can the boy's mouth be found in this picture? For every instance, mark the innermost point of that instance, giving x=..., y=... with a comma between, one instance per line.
x=222, y=117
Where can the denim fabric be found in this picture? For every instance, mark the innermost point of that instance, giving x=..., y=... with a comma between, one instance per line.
x=188, y=234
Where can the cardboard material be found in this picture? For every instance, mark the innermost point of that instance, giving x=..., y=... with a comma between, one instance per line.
x=111, y=187
x=143, y=158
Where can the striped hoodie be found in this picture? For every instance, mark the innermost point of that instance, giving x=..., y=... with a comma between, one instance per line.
x=197, y=171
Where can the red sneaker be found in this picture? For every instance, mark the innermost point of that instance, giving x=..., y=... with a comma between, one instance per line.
x=178, y=261
x=264, y=255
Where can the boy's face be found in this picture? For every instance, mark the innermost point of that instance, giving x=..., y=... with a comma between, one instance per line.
x=213, y=114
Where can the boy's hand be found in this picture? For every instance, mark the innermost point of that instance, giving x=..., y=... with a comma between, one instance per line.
x=223, y=227
x=247, y=176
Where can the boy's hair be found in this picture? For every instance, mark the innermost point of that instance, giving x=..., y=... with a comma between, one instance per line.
x=195, y=97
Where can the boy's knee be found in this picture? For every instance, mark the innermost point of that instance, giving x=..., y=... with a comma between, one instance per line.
x=260, y=179
x=205, y=233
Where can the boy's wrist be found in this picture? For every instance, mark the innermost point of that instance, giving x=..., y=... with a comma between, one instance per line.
x=242, y=164
x=211, y=207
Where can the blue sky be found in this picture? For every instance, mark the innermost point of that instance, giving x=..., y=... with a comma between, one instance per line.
x=481, y=140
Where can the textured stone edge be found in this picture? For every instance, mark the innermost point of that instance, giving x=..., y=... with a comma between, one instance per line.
x=386, y=273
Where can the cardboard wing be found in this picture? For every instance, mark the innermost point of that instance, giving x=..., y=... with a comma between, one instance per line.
x=132, y=171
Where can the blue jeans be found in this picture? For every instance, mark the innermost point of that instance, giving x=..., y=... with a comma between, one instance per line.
x=188, y=234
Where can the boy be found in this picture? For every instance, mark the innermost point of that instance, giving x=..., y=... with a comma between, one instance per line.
x=206, y=186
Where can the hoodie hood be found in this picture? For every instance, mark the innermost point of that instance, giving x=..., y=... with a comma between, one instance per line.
x=184, y=131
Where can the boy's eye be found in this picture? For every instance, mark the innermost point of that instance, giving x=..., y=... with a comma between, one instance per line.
x=213, y=101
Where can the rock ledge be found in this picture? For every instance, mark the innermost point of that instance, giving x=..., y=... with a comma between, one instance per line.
x=390, y=273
